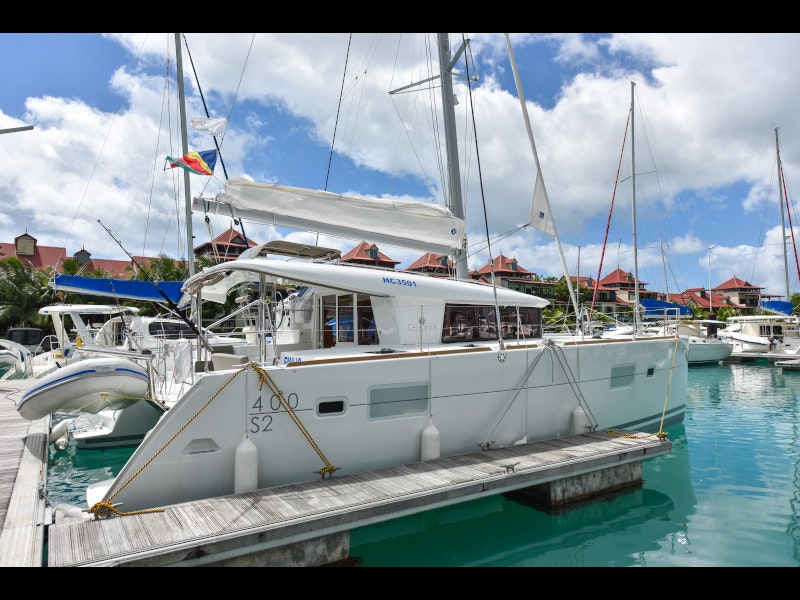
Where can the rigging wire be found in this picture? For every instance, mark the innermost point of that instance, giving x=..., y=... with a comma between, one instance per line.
x=338, y=111
x=219, y=144
x=608, y=222
x=100, y=153
x=483, y=204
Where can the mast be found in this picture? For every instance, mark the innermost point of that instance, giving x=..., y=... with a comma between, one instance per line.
x=451, y=142
x=633, y=202
x=541, y=200
x=783, y=220
x=185, y=145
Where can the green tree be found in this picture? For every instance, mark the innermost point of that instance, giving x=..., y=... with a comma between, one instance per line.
x=795, y=298
x=23, y=291
x=162, y=268
x=561, y=293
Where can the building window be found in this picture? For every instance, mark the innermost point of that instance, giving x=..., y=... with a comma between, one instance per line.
x=82, y=257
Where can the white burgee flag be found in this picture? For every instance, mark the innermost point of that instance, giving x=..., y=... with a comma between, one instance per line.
x=215, y=126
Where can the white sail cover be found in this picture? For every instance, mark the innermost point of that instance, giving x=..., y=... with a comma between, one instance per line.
x=418, y=225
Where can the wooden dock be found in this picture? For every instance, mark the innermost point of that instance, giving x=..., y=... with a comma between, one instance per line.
x=772, y=358
x=23, y=478
x=305, y=524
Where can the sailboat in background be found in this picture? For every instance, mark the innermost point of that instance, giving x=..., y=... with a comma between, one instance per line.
x=660, y=318
x=777, y=330
x=364, y=367
x=783, y=307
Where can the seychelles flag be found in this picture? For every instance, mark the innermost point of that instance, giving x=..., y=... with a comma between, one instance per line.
x=199, y=163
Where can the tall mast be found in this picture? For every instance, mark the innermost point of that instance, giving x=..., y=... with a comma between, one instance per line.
x=633, y=202
x=783, y=220
x=185, y=144
x=451, y=142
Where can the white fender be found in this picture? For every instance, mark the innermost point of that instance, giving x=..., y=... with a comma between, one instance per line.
x=59, y=429
x=580, y=422
x=431, y=441
x=245, y=477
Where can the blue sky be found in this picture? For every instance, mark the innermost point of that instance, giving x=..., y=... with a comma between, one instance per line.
x=706, y=108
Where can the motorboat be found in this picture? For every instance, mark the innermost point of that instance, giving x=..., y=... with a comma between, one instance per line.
x=163, y=347
x=107, y=428
x=762, y=334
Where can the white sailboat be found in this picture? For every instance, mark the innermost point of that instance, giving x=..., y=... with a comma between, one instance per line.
x=702, y=349
x=777, y=330
x=365, y=367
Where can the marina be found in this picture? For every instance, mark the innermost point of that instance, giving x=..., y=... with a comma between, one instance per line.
x=318, y=407
x=300, y=525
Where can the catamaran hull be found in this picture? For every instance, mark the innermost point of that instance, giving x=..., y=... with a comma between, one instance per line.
x=471, y=396
x=112, y=428
x=89, y=385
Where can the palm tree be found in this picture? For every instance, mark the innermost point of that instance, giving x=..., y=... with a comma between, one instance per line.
x=23, y=291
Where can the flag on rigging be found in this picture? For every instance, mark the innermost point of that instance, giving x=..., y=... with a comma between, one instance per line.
x=541, y=217
x=215, y=126
x=199, y=163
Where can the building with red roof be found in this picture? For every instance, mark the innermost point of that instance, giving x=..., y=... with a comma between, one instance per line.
x=430, y=263
x=369, y=254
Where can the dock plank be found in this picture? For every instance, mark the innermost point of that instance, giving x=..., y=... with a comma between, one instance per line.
x=196, y=533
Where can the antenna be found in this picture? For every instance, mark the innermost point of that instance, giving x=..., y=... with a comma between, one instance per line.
x=172, y=305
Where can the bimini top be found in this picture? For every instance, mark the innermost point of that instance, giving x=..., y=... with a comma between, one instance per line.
x=123, y=289
x=216, y=281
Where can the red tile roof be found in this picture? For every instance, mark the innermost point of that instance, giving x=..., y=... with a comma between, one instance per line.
x=361, y=254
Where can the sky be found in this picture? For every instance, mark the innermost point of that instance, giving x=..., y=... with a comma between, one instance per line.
x=314, y=110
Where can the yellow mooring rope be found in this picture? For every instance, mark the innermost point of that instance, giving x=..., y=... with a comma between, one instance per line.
x=265, y=378
x=105, y=507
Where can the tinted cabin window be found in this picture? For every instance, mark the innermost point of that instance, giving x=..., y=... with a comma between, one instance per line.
x=171, y=331
x=464, y=323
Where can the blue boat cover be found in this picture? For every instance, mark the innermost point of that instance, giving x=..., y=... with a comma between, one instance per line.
x=782, y=306
x=658, y=309
x=128, y=289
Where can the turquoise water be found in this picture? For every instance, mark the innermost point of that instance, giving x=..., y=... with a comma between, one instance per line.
x=727, y=495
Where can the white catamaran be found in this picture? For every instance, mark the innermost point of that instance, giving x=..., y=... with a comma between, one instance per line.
x=365, y=367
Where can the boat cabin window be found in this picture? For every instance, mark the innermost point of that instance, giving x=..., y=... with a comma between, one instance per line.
x=171, y=330
x=339, y=315
x=469, y=322
x=25, y=336
x=771, y=330
x=401, y=400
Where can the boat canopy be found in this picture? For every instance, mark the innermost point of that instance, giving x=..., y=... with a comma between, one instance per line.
x=659, y=309
x=784, y=307
x=128, y=289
